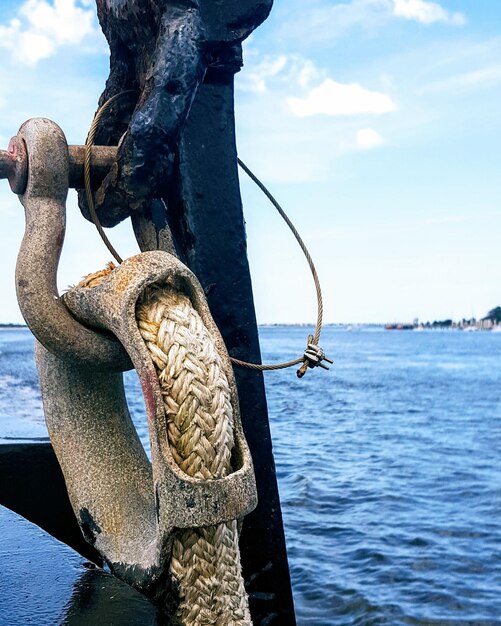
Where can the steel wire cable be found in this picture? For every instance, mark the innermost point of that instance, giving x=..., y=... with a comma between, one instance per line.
x=313, y=355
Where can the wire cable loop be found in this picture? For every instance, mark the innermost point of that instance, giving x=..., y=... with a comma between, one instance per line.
x=313, y=355
x=87, y=165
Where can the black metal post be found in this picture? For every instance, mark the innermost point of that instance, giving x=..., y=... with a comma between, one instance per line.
x=208, y=222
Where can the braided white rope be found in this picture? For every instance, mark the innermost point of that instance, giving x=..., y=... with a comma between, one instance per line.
x=205, y=563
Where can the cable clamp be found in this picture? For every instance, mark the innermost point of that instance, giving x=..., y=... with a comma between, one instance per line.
x=313, y=357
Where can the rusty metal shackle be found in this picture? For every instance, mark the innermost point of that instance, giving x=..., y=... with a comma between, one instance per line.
x=40, y=148
x=127, y=508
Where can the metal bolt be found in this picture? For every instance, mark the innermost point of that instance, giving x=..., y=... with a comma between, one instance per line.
x=103, y=158
x=14, y=165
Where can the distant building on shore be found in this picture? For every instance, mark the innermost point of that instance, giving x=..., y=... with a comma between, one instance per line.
x=492, y=321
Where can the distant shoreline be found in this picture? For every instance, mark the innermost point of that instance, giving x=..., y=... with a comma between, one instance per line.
x=348, y=325
x=7, y=326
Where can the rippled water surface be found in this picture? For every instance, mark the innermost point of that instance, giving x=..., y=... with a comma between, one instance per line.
x=388, y=465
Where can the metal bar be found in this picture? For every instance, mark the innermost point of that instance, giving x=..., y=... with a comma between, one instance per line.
x=102, y=160
x=6, y=164
x=14, y=165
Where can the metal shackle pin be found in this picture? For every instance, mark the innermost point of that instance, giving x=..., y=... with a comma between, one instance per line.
x=14, y=164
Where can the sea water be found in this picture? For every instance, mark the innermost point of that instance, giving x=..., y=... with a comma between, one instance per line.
x=389, y=468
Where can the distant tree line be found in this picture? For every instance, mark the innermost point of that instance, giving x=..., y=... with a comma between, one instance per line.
x=494, y=315
x=439, y=324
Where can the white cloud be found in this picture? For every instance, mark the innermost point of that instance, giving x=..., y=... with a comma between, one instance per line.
x=477, y=79
x=42, y=27
x=307, y=73
x=271, y=70
x=333, y=98
x=368, y=138
x=256, y=79
x=331, y=21
x=426, y=12
x=287, y=150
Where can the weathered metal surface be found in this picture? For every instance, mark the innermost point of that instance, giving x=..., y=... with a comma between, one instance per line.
x=102, y=160
x=36, y=270
x=106, y=471
x=162, y=50
x=127, y=509
x=14, y=165
x=182, y=502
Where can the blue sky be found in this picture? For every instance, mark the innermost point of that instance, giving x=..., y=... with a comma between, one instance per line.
x=376, y=123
